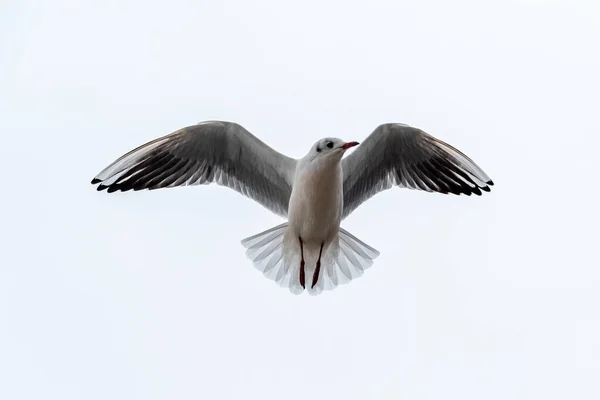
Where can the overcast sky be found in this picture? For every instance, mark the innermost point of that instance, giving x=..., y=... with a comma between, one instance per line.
x=149, y=295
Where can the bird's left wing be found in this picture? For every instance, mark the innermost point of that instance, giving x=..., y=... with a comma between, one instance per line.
x=397, y=154
x=215, y=151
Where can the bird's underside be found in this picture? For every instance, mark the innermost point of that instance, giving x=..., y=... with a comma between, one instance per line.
x=227, y=154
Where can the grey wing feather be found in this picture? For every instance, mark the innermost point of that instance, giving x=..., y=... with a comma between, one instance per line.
x=404, y=156
x=221, y=152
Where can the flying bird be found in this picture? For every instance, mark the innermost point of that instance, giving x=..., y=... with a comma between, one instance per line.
x=315, y=193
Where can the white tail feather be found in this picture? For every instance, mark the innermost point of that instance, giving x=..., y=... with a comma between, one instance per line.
x=277, y=256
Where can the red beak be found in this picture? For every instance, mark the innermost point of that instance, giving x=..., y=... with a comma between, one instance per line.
x=349, y=144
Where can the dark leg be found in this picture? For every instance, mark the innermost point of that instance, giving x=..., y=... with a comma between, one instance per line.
x=302, y=277
x=318, y=269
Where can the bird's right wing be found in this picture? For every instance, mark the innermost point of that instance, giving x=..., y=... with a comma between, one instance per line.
x=398, y=154
x=215, y=151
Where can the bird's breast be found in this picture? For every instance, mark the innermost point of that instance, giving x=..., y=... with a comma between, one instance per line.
x=316, y=203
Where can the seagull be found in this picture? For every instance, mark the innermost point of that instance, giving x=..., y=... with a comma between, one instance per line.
x=310, y=252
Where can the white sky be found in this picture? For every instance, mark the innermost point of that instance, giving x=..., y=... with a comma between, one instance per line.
x=149, y=295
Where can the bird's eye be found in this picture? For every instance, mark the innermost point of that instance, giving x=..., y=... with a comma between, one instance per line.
x=330, y=145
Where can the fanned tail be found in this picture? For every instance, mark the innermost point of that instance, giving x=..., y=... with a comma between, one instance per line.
x=270, y=256
x=344, y=261
x=277, y=256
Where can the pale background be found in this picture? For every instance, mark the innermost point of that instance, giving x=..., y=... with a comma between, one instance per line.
x=149, y=295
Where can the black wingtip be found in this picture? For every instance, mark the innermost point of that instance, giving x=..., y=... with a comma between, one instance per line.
x=490, y=182
x=96, y=180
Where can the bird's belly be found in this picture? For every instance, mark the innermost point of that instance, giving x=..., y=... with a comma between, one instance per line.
x=315, y=213
x=316, y=222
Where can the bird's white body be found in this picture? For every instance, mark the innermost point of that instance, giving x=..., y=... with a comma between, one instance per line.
x=314, y=216
x=316, y=203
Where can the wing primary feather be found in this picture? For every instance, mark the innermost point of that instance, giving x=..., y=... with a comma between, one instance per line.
x=447, y=168
x=187, y=174
x=156, y=170
x=462, y=174
x=451, y=185
x=139, y=181
x=439, y=184
x=133, y=181
x=431, y=185
x=169, y=169
x=152, y=159
x=176, y=173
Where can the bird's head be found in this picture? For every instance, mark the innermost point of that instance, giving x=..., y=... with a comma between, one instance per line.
x=329, y=148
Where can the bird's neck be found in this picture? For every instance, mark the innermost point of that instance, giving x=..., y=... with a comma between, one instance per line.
x=324, y=171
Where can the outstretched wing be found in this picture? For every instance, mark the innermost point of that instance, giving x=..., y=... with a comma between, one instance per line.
x=215, y=151
x=397, y=154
